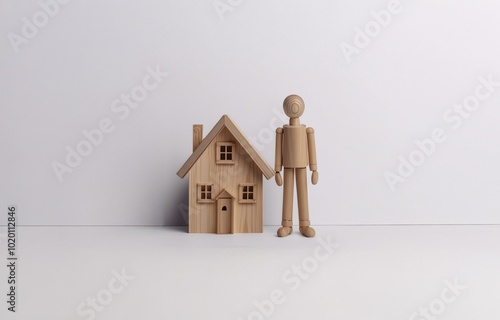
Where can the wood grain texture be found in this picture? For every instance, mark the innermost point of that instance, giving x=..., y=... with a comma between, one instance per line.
x=227, y=123
x=311, y=142
x=197, y=135
x=226, y=180
x=295, y=148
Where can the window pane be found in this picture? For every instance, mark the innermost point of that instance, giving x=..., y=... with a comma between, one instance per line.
x=245, y=189
x=222, y=148
x=244, y=196
x=209, y=195
x=250, y=196
x=203, y=196
x=229, y=156
x=209, y=188
x=223, y=156
x=250, y=188
x=202, y=188
x=229, y=148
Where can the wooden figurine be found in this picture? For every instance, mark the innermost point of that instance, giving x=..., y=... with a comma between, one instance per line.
x=295, y=150
x=225, y=181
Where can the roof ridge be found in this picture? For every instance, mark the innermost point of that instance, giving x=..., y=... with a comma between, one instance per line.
x=226, y=122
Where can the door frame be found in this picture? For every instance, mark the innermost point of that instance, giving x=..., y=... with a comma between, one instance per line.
x=231, y=214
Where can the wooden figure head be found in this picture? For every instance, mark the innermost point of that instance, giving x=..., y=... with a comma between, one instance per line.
x=293, y=106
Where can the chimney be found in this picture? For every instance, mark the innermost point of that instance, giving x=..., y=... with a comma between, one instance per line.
x=197, y=135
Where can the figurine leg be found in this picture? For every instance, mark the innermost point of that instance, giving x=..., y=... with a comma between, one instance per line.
x=286, y=223
x=304, y=222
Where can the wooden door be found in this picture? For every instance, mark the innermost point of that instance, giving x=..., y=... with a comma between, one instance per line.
x=224, y=214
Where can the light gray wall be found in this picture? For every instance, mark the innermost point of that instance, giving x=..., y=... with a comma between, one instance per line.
x=368, y=98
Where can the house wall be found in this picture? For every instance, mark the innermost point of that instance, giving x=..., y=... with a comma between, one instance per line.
x=203, y=216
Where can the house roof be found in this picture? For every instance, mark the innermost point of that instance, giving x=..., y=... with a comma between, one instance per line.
x=227, y=122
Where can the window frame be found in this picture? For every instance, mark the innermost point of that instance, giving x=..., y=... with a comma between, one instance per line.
x=210, y=192
x=242, y=193
x=218, y=152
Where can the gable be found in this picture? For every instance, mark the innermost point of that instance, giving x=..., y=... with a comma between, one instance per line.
x=241, y=167
x=224, y=195
x=226, y=123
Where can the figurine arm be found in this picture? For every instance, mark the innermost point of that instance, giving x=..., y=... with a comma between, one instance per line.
x=311, y=148
x=278, y=157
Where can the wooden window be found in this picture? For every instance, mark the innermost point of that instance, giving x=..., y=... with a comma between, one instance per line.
x=225, y=152
x=205, y=192
x=247, y=193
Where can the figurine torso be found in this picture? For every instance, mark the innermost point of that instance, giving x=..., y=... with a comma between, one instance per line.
x=295, y=146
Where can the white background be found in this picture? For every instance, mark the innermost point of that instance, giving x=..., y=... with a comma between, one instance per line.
x=366, y=113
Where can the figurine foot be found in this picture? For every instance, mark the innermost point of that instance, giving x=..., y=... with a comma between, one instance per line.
x=284, y=231
x=307, y=231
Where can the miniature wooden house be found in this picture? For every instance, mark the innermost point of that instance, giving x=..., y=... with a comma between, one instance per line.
x=225, y=181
